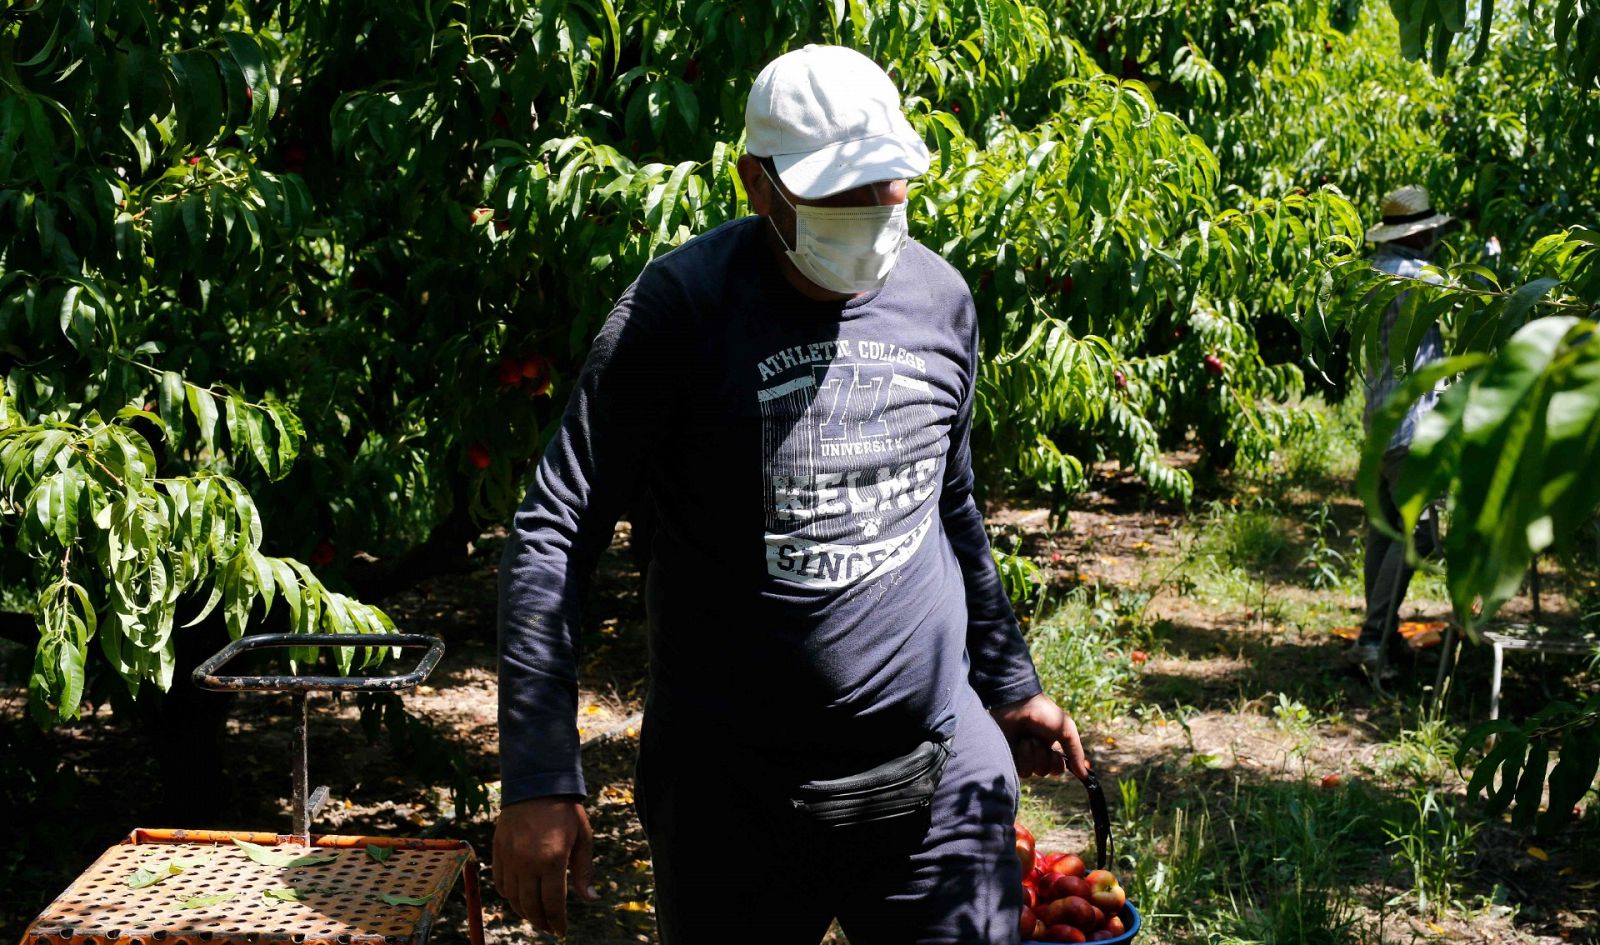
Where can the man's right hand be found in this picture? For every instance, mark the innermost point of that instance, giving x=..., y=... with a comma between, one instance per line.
x=536, y=843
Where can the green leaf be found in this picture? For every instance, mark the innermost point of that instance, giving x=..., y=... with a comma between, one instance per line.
x=255, y=424
x=144, y=876
x=71, y=657
x=201, y=902
x=77, y=320
x=204, y=408
x=41, y=143
x=267, y=856
x=249, y=518
x=66, y=522
x=200, y=90
x=379, y=854
x=1573, y=774
x=1531, y=787
x=658, y=104
x=395, y=899
x=287, y=894
x=169, y=402
x=1522, y=300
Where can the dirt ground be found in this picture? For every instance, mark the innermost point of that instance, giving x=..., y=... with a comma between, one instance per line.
x=1221, y=665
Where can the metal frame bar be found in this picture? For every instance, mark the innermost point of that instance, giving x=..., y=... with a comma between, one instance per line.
x=308, y=801
x=206, y=675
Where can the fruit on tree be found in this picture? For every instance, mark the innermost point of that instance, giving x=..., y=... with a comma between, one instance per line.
x=1121, y=379
x=510, y=372
x=322, y=555
x=1213, y=365
x=478, y=456
x=481, y=215
x=1105, y=891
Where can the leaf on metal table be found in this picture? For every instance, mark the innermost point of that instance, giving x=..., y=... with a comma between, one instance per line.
x=267, y=856
x=201, y=902
x=394, y=899
x=288, y=894
x=145, y=876
x=379, y=854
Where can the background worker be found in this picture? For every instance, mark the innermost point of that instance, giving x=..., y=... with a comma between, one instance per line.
x=1406, y=239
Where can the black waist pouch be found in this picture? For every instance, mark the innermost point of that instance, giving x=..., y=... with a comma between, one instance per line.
x=896, y=788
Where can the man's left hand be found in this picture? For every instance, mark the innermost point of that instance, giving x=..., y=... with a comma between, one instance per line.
x=1037, y=729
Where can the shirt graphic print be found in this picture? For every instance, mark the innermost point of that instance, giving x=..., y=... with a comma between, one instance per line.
x=853, y=453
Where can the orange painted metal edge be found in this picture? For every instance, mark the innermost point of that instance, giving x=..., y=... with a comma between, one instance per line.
x=341, y=841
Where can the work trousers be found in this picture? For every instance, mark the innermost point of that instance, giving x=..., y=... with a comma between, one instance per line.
x=732, y=865
x=1386, y=571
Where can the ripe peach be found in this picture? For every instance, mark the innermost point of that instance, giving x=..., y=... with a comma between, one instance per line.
x=1070, y=864
x=1105, y=892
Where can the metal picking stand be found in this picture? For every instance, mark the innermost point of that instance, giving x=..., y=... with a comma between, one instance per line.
x=217, y=886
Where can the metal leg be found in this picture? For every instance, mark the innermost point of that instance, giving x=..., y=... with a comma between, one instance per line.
x=301, y=803
x=1494, y=681
x=474, y=904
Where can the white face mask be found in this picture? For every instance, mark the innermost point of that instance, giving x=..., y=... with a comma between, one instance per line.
x=845, y=249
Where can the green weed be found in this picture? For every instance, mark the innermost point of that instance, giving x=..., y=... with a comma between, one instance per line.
x=1264, y=864
x=1421, y=756
x=1081, y=653
x=1433, y=842
x=1331, y=450
x=1250, y=536
x=1324, y=565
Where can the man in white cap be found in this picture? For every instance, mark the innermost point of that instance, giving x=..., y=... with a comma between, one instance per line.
x=1406, y=239
x=840, y=699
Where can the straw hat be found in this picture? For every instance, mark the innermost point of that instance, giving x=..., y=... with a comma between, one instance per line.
x=1406, y=211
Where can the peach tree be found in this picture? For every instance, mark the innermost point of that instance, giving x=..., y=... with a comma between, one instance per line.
x=290, y=292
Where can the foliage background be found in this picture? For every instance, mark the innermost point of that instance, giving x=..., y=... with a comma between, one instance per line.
x=290, y=291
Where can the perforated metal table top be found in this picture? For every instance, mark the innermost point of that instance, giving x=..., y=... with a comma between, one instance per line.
x=219, y=894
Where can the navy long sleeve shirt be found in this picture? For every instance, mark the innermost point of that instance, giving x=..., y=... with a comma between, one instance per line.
x=820, y=573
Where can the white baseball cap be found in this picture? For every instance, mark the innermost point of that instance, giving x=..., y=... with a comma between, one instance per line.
x=830, y=120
